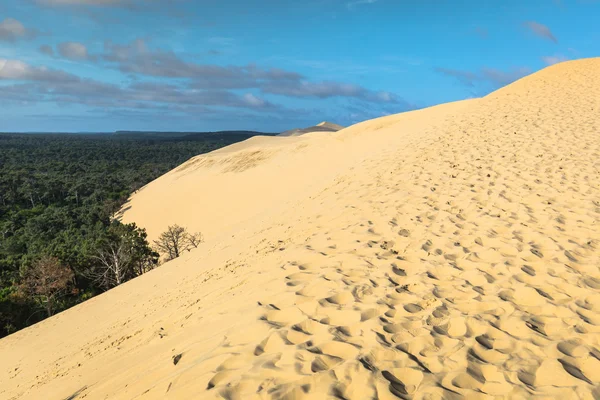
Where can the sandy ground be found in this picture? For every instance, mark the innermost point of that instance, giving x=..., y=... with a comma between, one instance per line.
x=452, y=252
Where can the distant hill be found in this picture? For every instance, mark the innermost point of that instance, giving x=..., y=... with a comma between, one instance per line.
x=322, y=127
x=241, y=135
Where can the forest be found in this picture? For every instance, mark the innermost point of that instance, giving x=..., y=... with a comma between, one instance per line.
x=59, y=244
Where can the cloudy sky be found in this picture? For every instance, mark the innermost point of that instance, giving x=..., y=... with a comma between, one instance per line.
x=269, y=65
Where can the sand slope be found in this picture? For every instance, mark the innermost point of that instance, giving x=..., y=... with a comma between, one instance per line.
x=452, y=252
x=320, y=127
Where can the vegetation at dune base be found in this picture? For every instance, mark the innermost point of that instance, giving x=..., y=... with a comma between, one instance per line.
x=59, y=244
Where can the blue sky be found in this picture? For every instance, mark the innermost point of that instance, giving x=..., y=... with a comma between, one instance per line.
x=271, y=65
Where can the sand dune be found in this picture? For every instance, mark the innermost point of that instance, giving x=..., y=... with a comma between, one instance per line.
x=321, y=127
x=451, y=252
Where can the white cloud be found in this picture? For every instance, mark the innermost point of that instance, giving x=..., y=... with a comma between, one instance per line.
x=47, y=50
x=138, y=58
x=12, y=30
x=74, y=51
x=18, y=70
x=324, y=90
x=254, y=101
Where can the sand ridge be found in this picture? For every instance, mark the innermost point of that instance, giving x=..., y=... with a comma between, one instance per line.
x=452, y=252
x=324, y=126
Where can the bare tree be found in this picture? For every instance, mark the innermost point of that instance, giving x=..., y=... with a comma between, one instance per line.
x=171, y=241
x=46, y=281
x=194, y=239
x=123, y=256
x=114, y=265
x=175, y=240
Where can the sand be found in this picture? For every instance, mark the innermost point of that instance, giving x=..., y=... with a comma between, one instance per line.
x=324, y=126
x=451, y=252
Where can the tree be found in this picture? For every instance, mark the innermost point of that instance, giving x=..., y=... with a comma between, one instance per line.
x=58, y=196
x=46, y=281
x=175, y=240
x=194, y=239
x=123, y=255
x=114, y=265
x=171, y=242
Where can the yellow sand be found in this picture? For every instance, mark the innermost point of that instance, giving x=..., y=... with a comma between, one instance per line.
x=451, y=252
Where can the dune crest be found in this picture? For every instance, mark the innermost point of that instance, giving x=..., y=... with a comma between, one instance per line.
x=445, y=253
x=330, y=125
x=320, y=127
